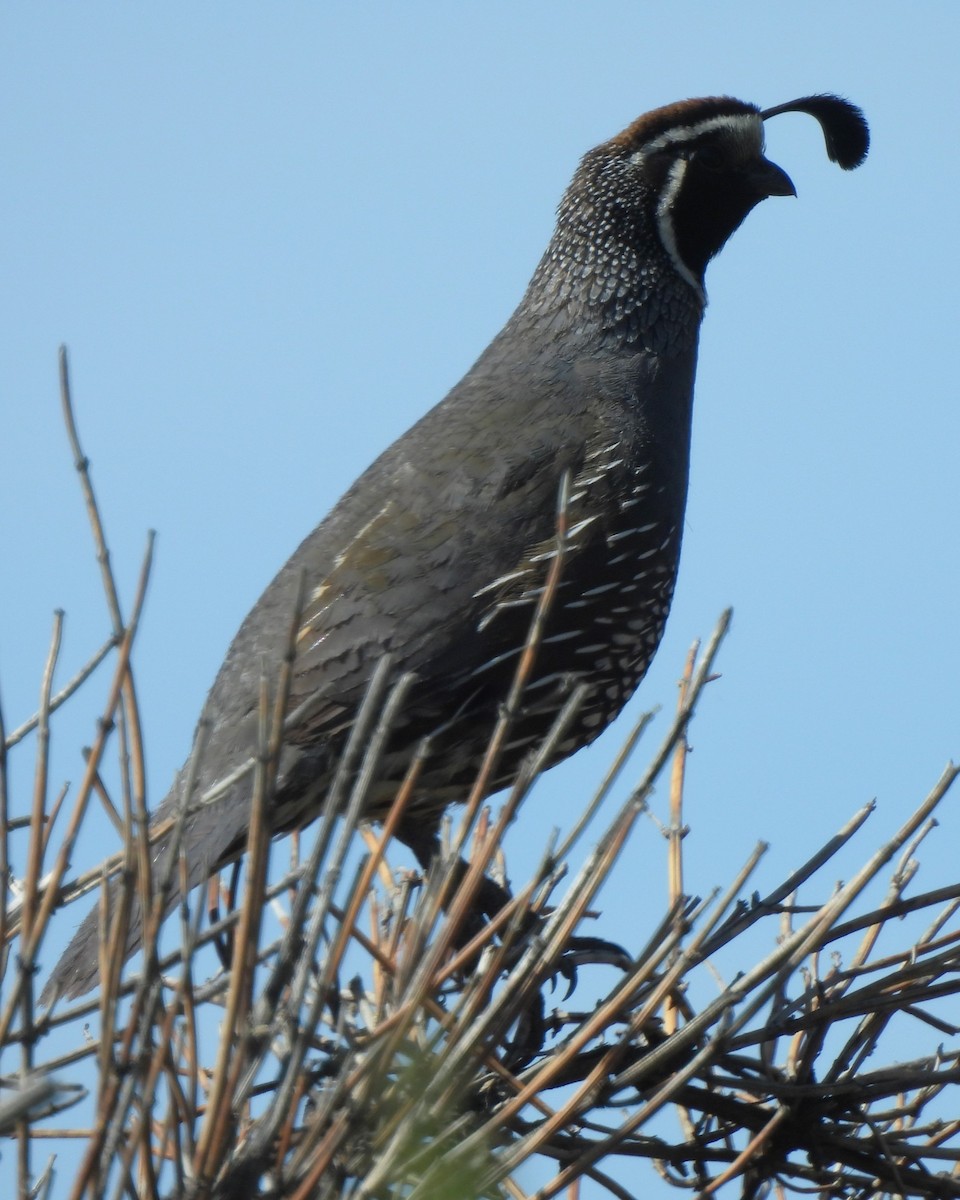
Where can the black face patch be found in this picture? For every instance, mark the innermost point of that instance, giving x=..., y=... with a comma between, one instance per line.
x=704, y=182
x=712, y=199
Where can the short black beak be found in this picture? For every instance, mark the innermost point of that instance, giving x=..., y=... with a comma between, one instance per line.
x=770, y=180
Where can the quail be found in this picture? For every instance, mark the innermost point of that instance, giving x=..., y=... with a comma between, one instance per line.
x=438, y=553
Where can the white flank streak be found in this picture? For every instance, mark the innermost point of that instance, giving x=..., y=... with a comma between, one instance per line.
x=579, y=527
x=501, y=582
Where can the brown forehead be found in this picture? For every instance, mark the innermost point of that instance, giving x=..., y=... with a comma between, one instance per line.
x=683, y=112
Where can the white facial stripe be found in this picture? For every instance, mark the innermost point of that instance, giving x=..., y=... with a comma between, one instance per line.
x=665, y=224
x=745, y=125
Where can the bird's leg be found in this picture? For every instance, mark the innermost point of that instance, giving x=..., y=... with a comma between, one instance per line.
x=424, y=841
x=491, y=897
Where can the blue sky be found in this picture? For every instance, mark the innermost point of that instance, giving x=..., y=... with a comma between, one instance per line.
x=273, y=236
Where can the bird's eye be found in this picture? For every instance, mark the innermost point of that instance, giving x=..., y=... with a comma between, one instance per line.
x=708, y=156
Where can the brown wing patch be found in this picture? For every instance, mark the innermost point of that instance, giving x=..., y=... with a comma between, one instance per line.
x=363, y=553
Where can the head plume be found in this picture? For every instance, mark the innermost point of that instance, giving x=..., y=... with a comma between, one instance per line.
x=844, y=126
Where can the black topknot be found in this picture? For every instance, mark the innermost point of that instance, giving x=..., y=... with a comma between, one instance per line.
x=844, y=126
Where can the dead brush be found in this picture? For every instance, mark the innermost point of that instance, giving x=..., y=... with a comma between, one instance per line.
x=362, y=1035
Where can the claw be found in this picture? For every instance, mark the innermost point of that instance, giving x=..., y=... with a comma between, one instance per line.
x=595, y=950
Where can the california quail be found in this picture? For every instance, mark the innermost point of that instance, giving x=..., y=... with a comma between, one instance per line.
x=438, y=552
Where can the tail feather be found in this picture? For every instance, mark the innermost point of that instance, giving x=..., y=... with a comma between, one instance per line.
x=212, y=837
x=78, y=969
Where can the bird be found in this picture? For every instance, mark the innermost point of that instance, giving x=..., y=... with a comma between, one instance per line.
x=437, y=555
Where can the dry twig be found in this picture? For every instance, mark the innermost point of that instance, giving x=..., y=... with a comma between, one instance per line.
x=379, y=1045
